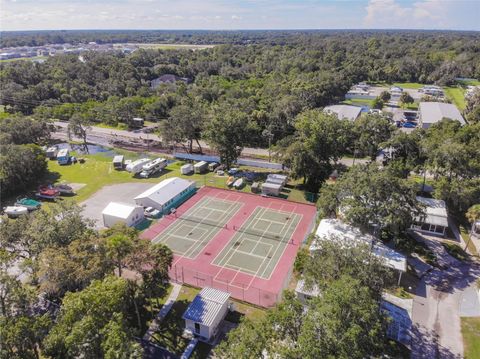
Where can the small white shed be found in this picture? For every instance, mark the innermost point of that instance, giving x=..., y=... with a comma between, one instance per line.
x=186, y=169
x=207, y=310
x=116, y=212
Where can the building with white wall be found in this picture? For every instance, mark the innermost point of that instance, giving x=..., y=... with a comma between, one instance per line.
x=433, y=112
x=116, y=212
x=167, y=194
x=435, y=220
x=207, y=310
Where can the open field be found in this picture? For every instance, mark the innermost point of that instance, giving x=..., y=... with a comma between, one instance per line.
x=169, y=46
x=97, y=172
x=469, y=82
x=408, y=85
x=471, y=337
x=457, y=96
x=25, y=59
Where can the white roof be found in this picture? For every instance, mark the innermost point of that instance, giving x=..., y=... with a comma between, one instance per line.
x=272, y=185
x=167, y=189
x=314, y=291
x=432, y=112
x=349, y=235
x=200, y=164
x=344, y=111
x=118, y=158
x=435, y=211
x=119, y=210
x=206, y=306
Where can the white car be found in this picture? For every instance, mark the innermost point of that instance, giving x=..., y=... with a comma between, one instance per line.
x=151, y=212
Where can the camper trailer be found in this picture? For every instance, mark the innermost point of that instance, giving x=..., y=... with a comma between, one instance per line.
x=186, y=169
x=200, y=167
x=137, y=166
x=153, y=167
x=51, y=152
x=276, y=178
x=212, y=166
x=118, y=162
x=63, y=157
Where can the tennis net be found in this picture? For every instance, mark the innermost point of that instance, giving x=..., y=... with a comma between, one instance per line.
x=220, y=224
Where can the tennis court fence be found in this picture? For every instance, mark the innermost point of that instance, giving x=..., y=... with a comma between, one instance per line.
x=253, y=295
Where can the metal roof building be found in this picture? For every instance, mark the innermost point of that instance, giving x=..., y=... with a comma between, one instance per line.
x=334, y=229
x=433, y=112
x=120, y=212
x=206, y=311
x=344, y=111
x=165, y=194
x=435, y=220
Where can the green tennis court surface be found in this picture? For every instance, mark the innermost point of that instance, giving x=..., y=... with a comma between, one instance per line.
x=259, y=243
x=189, y=235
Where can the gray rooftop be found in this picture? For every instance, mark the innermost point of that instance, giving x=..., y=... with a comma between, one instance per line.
x=206, y=306
x=344, y=111
x=433, y=112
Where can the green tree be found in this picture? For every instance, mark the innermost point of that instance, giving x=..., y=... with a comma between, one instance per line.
x=227, y=133
x=369, y=196
x=119, y=247
x=377, y=103
x=79, y=126
x=83, y=326
x=405, y=98
x=473, y=213
x=385, y=96
x=320, y=140
x=370, y=132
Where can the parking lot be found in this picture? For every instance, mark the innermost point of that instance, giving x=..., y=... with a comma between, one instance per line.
x=123, y=192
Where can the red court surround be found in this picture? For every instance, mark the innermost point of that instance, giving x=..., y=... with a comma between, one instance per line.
x=200, y=271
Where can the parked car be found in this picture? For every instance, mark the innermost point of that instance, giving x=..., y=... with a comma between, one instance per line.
x=233, y=171
x=151, y=212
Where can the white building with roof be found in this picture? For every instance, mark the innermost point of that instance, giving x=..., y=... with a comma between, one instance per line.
x=167, y=194
x=207, y=310
x=433, y=112
x=435, y=220
x=344, y=112
x=334, y=229
x=116, y=212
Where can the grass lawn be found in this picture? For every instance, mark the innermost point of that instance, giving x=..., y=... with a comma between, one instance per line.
x=97, y=172
x=466, y=238
x=471, y=337
x=408, y=85
x=358, y=102
x=455, y=251
x=119, y=126
x=25, y=59
x=457, y=96
x=469, y=82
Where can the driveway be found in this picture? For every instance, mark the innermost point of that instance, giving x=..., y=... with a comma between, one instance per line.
x=124, y=193
x=436, y=329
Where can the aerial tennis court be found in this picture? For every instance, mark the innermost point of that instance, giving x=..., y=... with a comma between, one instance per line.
x=234, y=241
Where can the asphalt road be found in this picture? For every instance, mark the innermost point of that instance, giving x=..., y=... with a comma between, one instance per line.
x=102, y=136
x=436, y=308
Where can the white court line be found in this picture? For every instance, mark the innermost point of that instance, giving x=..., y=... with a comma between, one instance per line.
x=300, y=216
x=228, y=214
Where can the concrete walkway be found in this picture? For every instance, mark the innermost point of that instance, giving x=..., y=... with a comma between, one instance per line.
x=163, y=312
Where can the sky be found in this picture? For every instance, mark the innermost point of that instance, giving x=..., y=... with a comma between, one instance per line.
x=240, y=14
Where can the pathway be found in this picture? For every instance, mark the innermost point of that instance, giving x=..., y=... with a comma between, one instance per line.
x=163, y=312
x=436, y=329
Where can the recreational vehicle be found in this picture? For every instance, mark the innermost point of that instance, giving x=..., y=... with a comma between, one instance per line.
x=51, y=152
x=137, y=166
x=153, y=167
x=118, y=162
x=63, y=156
x=200, y=167
x=186, y=169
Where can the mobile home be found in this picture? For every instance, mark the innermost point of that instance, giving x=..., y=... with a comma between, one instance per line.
x=118, y=162
x=153, y=167
x=51, y=152
x=186, y=169
x=200, y=167
x=137, y=166
x=63, y=156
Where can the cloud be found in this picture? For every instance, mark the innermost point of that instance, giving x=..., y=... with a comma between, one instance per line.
x=423, y=14
x=236, y=17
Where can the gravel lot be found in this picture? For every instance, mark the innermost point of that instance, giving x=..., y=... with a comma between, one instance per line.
x=124, y=193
